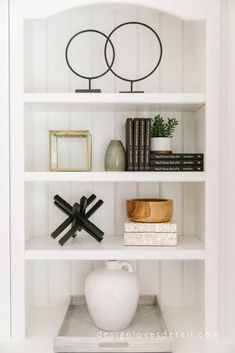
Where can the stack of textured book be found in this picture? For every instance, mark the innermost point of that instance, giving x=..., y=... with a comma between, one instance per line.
x=150, y=234
x=138, y=138
x=177, y=162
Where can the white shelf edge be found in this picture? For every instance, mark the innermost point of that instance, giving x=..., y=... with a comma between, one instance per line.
x=178, y=101
x=173, y=98
x=115, y=176
x=84, y=248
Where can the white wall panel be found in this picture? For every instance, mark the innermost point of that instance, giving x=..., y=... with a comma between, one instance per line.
x=171, y=81
x=149, y=277
x=79, y=272
x=59, y=282
x=170, y=288
x=194, y=56
x=105, y=217
x=107, y=83
x=76, y=22
x=126, y=39
x=40, y=283
x=152, y=83
x=189, y=282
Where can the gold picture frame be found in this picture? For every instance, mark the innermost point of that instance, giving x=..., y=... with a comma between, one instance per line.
x=70, y=150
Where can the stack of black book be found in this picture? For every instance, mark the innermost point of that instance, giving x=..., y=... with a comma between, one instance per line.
x=138, y=138
x=177, y=162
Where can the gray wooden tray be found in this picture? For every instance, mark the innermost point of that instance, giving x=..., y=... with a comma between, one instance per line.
x=147, y=332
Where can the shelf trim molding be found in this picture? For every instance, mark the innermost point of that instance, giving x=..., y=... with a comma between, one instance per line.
x=166, y=101
x=197, y=177
x=45, y=248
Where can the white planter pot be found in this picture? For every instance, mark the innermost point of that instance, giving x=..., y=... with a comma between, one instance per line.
x=112, y=295
x=161, y=144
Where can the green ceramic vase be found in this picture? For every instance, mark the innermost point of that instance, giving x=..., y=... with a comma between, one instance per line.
x=115, y=157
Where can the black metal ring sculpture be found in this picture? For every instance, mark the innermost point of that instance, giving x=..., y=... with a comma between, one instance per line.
x=112, y=62
x=110, y=65
x=90, y=78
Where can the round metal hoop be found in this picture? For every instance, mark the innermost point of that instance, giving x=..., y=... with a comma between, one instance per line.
x=107, y=41
x=110, y=65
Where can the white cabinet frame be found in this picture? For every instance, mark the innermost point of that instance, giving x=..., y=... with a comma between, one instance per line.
x=212, y=184
x=4, y=174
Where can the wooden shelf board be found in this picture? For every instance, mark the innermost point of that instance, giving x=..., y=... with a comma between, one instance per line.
x=85, y=248
x=191, y=102
x=115, y=176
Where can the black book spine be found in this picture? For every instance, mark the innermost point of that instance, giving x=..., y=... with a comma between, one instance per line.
x=147, y=144
x=141, y=144
x=177, y=156
x=177, y=168
x=129, y=145
x=136, y=128
x=176, y=162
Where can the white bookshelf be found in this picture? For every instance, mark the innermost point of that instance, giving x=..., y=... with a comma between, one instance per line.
x=43, y=273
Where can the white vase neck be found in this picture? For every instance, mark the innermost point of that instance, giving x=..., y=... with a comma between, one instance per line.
x=118, y=265
x=112, y=265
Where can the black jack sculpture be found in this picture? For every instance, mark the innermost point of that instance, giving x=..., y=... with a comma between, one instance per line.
x=78, y=217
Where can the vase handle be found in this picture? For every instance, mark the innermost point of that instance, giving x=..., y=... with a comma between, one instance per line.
x=125, y=266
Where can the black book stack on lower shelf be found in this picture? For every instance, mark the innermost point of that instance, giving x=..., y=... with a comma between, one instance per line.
x=177, y=162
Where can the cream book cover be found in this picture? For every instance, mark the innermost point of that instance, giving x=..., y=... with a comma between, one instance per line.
x=151, y=239
x=167, y=227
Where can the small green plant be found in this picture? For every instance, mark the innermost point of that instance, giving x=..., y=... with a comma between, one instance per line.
x=160, y=128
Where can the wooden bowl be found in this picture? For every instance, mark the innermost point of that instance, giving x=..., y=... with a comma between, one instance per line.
x=149, y=210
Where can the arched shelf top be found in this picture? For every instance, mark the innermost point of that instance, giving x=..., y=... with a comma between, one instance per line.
x=184, y=9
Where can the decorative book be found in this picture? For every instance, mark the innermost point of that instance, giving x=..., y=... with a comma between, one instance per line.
x=167, y=227
x=176, y=162
x=129, y=145
x=173, y=156
x=182, y=168
x=150, y=239
x=147, y=144
x=141, y=143
x=136, y=134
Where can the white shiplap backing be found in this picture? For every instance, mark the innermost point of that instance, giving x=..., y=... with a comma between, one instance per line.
x=182, y=69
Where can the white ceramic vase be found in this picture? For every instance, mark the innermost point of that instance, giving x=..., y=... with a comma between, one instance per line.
x=161, y=144
x=112, y=295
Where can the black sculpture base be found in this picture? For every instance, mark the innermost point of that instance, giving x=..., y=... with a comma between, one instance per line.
x=93, y=90
x=78, y=218
x=131, y=91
